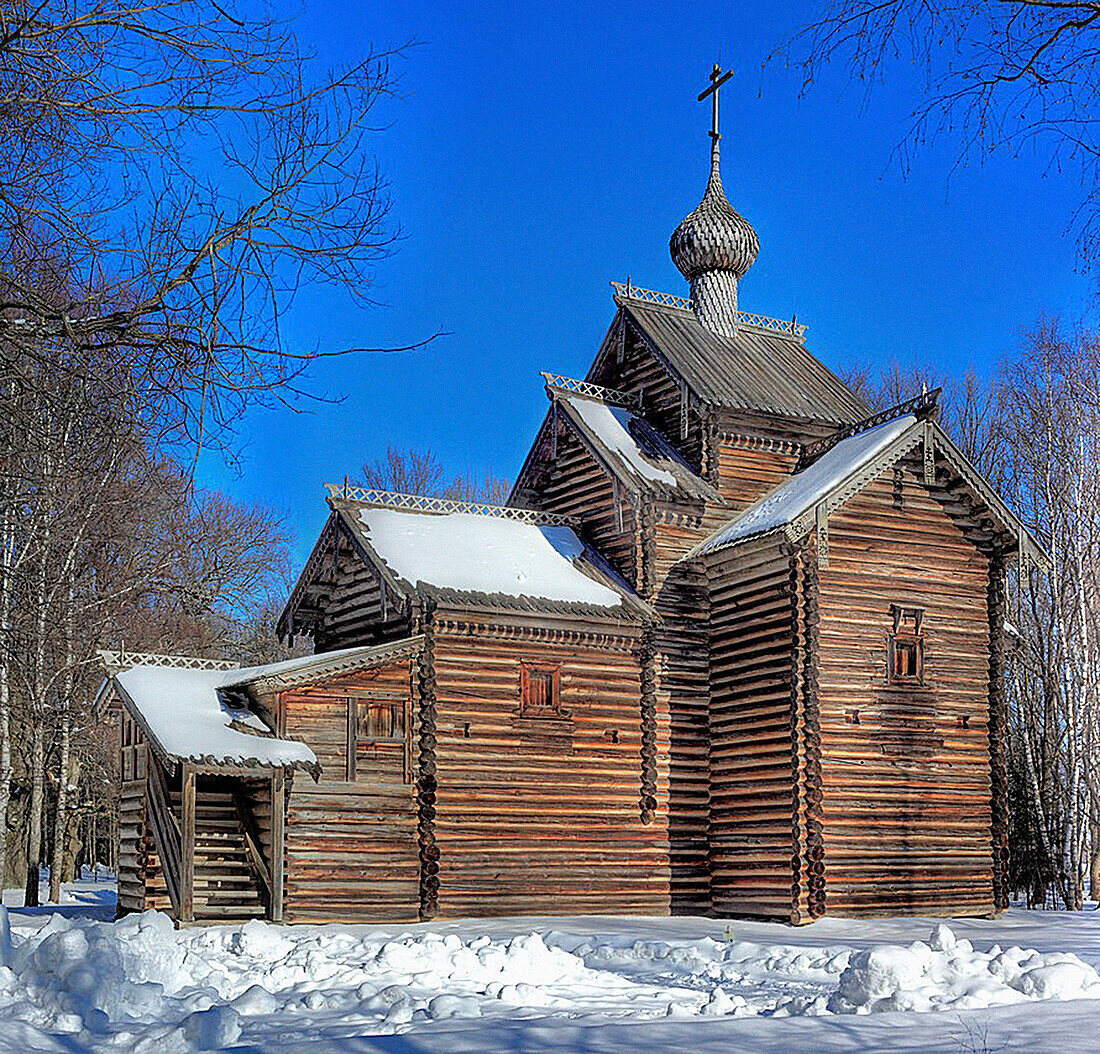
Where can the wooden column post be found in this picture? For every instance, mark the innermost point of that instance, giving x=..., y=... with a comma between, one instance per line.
x=278, y=841
x=998, y=727
x=187, y=829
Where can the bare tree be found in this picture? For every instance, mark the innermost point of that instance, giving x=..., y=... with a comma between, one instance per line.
x=420, y=472
x=171, y=173
x=998, y=75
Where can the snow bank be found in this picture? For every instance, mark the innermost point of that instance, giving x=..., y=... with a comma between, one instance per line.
x=140, y=985
x=946, y=973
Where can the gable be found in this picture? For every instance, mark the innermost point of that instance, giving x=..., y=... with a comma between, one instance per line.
x=804, y=502
x=765, y=367
x=342, y=597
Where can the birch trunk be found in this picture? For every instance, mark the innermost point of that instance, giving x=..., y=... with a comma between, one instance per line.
x=34, y=835
x=61, y=817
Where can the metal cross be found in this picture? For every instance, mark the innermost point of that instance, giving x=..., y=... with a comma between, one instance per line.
x=717, y=79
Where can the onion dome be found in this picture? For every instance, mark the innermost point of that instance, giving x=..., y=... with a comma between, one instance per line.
x=713, y=248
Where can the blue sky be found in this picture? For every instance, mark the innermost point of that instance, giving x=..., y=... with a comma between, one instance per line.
x=536, y=152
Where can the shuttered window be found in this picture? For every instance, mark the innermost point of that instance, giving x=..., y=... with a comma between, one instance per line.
x=905, y=657
x=540, y=691
x=378, y=739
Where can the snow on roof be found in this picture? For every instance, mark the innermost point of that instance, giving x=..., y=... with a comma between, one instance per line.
x=191, y=713
x=804, y=490
x=611, y=426
x=484, y=554
x=191, y=720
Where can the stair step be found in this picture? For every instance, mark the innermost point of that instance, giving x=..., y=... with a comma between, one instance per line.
x=227, y=912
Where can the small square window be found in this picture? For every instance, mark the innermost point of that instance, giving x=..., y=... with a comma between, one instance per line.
x=540, y=691
x=905, y=656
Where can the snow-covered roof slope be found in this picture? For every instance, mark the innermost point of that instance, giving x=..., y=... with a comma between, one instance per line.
x=611, y=426
x=200, y=716
x=803, y=491
x=188, y=717
x=632, y=448
x=473, y=553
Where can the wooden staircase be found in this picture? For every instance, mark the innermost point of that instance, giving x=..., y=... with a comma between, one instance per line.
x=226, y=883
x=232, y=880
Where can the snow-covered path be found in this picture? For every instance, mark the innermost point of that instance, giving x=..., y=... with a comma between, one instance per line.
x=1026, y=981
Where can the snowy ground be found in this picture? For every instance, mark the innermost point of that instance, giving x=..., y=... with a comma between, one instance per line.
x=74, y=981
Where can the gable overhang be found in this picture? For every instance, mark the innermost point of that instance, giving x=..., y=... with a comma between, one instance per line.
x=691, y=397
x=925, y=434
x=631, y=608
x=340, y=526
x=326, y=666
x=687, y=488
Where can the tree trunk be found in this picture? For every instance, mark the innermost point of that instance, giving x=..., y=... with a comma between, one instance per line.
x=5, y=767
x=7, y=542
x=34, y=837
x=61, y=816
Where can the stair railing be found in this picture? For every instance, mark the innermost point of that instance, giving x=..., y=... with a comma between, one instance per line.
x=253, y=842
x=166, y=831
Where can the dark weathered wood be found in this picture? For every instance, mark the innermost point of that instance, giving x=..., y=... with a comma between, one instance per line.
x=187, y=846
x=278, y=844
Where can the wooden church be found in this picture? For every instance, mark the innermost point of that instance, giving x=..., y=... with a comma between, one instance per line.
x=734, y=645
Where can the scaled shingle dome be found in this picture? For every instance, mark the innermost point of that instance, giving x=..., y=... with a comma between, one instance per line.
x=714, y=237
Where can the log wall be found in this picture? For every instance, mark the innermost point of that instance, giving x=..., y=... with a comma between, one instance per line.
x=350, y=844
x=906, y=770
x=755, y=810
x=578, y=486
x=537, y=814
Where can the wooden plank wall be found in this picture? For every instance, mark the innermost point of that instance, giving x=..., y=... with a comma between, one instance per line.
x=350, y=845
x=131, y=836
x=141, y=883
x=745, y=475
x=578, y=486
x=354, y=613
x=754, y=809
x=906, y=786
x=534, y=815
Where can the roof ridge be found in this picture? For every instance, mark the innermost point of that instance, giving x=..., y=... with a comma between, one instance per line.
x=349, y=494
x=670, y=301
x=920, y=406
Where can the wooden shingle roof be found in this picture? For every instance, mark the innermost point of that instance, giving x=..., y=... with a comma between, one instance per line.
x=760, y=369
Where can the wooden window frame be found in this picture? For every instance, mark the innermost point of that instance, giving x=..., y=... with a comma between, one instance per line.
x=526, y=708
x=351, y=752
x=908, y=638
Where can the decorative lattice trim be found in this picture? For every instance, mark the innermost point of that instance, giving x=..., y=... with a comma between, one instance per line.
x=650, y=296
x=593, y=391
x=116, y=661
x=789, y=326
x=441, y=506
x=920, y=405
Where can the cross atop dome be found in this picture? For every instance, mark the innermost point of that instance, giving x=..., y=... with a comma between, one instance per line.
x=715, y=246
x=717, y=79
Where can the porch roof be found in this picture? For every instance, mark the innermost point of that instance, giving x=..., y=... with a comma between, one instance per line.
x=203, y=716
